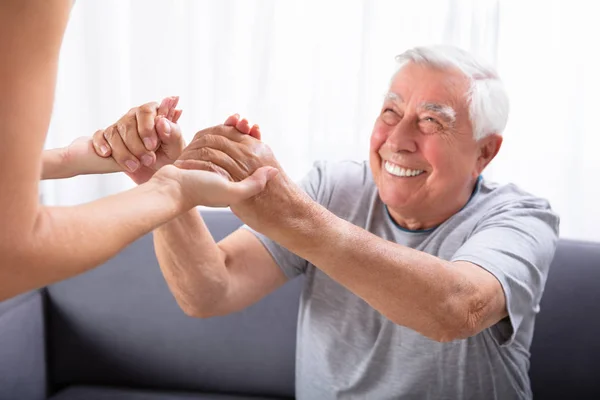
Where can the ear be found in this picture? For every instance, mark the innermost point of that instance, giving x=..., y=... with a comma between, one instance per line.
x=488, y=148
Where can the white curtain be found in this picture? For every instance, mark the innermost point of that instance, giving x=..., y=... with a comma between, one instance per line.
x=312, y=74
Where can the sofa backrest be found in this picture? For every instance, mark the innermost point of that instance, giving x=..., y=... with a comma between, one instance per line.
x=565, y=353
x=119, y=325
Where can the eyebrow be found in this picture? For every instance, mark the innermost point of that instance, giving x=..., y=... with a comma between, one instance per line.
x=445, y=111
x=394, y=97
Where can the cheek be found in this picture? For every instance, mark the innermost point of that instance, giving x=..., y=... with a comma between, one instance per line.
x=378, y=138
x=443, y=160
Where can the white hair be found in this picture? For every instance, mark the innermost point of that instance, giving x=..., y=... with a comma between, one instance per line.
x=486, y=97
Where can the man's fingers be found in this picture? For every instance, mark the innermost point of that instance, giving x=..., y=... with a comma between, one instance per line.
x=243, y=126
x=201, y=149
x=232, y=120
x=101, y=146
x=144, y=116
x=255, y=132
x=167, y=105
x=229, y=132
x=163, y=108
x=176, y=115
x=212, y=156
x=202, y=165
x=173, y=104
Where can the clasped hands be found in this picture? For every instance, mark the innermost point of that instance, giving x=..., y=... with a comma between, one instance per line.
x=224, y=165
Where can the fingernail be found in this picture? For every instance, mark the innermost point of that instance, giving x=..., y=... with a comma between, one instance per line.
x=147, y=160
x=104, y=150
x=149, y=143
x=131, y=165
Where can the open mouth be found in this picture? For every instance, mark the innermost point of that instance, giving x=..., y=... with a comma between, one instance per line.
x=397, y=170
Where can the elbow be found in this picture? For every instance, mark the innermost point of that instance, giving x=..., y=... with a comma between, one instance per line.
x=462, y=320
x=14, y=280
x=455, y=318
x=202, y=307
x=196, y=311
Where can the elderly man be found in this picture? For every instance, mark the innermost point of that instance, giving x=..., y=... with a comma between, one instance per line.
x=422, y=278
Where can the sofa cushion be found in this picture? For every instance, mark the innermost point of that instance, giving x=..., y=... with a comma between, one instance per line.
x=566, y=345
x=22, y=347
x=119, y=325
x=104, y=393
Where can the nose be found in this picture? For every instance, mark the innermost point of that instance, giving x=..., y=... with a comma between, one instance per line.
x=403, y=137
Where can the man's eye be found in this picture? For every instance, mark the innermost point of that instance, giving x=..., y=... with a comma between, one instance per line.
x=389, y=116
x=430, y=119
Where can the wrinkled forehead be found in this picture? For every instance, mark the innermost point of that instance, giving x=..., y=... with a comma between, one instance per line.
x=420, y=84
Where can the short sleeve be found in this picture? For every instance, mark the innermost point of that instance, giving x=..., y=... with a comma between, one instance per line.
x=515, y=243
x=291, y=264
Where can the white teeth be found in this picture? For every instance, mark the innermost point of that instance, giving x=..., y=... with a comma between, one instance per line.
x=397, y=170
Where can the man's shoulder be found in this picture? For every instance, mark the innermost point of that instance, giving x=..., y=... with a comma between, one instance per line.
x=495, y=200
x=502, y=195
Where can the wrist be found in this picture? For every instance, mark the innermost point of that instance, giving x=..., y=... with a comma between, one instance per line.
x=166, y=181
x=295, y=213
x=306, y=229
x=55, y=164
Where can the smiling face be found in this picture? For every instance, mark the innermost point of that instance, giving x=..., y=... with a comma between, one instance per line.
x=424, y=158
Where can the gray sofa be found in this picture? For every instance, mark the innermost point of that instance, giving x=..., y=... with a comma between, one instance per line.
x=117, y=333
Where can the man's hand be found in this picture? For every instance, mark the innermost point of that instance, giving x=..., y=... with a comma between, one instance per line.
x=231, y=150
x=235, y=154
x=143, y=140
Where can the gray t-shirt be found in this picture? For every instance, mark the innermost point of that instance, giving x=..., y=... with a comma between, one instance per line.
x=348, y=350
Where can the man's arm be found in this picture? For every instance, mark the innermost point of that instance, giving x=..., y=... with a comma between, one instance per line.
x=206, y=278
x=439, y=299
x=209, y=279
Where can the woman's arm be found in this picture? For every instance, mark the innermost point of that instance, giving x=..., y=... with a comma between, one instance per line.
x=40, y=245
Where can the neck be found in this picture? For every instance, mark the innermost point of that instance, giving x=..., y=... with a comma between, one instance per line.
x=419, y=218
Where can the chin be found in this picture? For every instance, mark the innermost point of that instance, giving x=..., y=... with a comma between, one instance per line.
x=394, y=198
